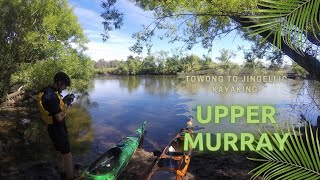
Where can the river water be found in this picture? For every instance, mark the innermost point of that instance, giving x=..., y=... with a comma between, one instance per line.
x=120, y=104
x=115, y=106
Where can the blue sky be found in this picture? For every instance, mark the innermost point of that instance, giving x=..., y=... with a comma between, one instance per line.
x=117, y=47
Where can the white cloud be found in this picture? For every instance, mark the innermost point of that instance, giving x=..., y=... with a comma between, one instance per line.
x=117, y=47
x=108, y=51
x=115, y=37
x=89, y=19
x=93, y=34
x=134, y=13
x=78, y=2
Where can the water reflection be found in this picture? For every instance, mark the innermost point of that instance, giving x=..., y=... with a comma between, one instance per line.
x=307, y=101
x=167, y=102
x=115, y=106
x=26, y=140
x=160, y=85
x=286, y=97
x=130, y=82
x=80, y=129
x=125, y=102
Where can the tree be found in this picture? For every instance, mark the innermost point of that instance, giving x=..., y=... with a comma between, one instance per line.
x=204, y=21
x=298, y=70
x=161, y=57
x=294, y=27
x=134, y=65
x=122, y=69
x=39, y=74
x=172, y=65
x=295, y=21
x=225, y=55
x=34, y=31
x=257, y=52
x=100, y=64
x=253, y=63
x=149, y=65
x=207, y=63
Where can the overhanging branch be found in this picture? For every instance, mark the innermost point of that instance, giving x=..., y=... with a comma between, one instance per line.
x=309, y=63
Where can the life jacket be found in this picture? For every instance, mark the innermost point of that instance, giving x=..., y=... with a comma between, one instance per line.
x=45, y=115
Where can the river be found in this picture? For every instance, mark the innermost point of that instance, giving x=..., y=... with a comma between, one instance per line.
x=116, y=105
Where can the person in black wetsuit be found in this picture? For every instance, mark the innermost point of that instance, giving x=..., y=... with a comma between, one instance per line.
x=53, y=110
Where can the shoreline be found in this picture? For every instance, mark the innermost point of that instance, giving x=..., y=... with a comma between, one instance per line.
x=204, y=165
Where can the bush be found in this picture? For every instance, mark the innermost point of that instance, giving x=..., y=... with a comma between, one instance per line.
x=39, y=74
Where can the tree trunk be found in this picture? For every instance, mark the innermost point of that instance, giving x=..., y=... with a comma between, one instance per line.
x=309, y=63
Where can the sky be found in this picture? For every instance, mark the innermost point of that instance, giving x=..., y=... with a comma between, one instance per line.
x=117, y=46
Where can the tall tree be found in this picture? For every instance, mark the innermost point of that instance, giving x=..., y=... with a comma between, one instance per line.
x=190, y=63
x=134, y=65
x=35, y=30
x=225, y=55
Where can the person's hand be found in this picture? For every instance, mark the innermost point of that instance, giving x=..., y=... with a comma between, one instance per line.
x=68, y=99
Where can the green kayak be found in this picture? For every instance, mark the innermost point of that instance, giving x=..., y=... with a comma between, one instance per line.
x=111, y=163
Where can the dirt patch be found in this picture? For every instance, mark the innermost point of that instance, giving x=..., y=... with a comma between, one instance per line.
x=221, y=165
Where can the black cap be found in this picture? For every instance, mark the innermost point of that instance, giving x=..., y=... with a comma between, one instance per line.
x=63, y=77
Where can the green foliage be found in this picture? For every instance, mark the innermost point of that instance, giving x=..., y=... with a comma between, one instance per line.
x=123, y=69
x=134, y=65
x=298, y=160
x=172, y=66
x=149, y=65
x=291, y=20
x=35, y=30
x=160, y=64
x=101, y=64
x=200, y=21
x=259, y=50
x=39, y=74
x=105, y=71
x=207, y=63
x=225, y=55
x=190, y=63
x=299, y=70
x=292, y=24
x=252, y=63
x=155, y=65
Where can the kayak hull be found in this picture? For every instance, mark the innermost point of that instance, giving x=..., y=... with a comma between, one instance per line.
x=111, y=163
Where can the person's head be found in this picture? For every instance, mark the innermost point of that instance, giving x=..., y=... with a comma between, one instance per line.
x=61, y=80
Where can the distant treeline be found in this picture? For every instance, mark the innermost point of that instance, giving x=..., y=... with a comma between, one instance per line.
x=153, y=65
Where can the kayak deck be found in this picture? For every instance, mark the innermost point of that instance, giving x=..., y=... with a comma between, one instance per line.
x=174, y=161
x=111, y=163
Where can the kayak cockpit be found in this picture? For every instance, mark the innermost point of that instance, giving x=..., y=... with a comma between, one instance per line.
x=175, y=148
x=168, y=163
x=161, y=175
x=106, y=162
